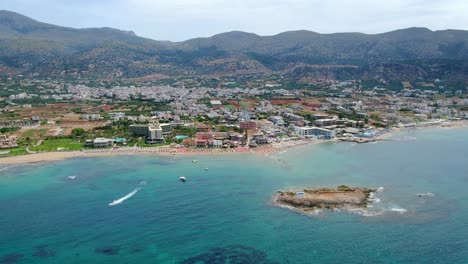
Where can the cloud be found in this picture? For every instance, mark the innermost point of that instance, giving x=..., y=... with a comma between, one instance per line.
x=183, y=19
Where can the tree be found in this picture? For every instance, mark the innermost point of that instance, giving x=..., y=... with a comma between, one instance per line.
x=78, y=132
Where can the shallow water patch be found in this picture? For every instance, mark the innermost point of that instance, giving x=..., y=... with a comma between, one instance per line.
x=11, y=258
x=43, y=252
x=108, y=250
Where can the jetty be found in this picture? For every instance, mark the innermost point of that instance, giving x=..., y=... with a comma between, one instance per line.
x=359, y=140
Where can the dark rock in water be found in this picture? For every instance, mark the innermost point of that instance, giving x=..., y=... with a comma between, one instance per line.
x=11, y=258
x=136, y=250
x=40, y=246
x=108, y=250
x=236, y=254
x=43, y=252
x=93, y=187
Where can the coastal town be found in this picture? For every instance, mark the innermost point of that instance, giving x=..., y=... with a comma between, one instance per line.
x=233, y=132
x=192, y=115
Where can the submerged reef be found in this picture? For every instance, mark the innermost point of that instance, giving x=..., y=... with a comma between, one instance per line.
x=235, y=254
x=11, y=258
x=108, y=250
x=43, y=252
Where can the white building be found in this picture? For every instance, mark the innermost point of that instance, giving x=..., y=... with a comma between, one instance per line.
x=117, y=116
x=277, y=120
x=103, y=142
x=216, y=102
x=217, y=143
x=315, y=132
x=155, y=134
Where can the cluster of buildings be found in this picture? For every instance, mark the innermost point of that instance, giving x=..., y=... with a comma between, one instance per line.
x=255, y=115
x=214, y=139
x=153, y=133
x=8, y=142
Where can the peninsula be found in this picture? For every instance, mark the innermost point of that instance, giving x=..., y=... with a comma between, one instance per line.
x=342, y=197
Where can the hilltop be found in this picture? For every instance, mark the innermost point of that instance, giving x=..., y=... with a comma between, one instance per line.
x=28, y=46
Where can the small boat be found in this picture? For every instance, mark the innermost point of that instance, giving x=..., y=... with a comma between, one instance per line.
x=71, y=177
x=194, y=161
x=425, y=194
x=206, y=169
x=183, y=179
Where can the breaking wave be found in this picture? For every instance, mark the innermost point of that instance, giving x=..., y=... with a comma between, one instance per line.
x=377, y=212
x=3, y=169
x=398, y=209
x=373, y=199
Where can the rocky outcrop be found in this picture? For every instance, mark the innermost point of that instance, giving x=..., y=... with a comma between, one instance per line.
x=342, y=197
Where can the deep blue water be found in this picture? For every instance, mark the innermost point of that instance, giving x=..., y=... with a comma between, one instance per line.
x=224, y=215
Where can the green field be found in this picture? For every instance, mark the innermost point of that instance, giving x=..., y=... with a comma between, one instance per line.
x=13, y=152
x=230, y=107
x=54, y=144
x=34, y=132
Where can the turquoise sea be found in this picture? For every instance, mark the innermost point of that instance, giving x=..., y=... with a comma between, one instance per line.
x=225, y=215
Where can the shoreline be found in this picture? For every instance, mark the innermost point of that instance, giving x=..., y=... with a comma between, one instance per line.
x=427, y=125
x=163, y=151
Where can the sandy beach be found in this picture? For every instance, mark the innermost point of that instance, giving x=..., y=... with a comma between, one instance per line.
x=51, y=156
x=56, y=156
x=161, y=151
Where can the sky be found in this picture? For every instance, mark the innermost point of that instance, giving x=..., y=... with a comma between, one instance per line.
x=178, y=20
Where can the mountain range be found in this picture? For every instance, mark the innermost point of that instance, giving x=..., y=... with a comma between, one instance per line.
x=31, y=47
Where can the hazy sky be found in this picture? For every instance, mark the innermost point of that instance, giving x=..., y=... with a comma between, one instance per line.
x=183, y=19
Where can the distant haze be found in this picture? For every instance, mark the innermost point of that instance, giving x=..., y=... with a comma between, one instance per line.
x=184, y=19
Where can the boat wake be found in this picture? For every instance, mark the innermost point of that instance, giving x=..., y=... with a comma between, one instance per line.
x=126, y=197
x=142, y=183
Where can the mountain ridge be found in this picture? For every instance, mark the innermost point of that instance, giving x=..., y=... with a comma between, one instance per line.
x=28, y=46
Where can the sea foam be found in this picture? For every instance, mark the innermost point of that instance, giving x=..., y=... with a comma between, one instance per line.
x=398, y=209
